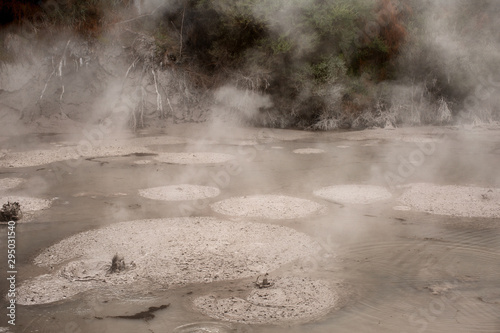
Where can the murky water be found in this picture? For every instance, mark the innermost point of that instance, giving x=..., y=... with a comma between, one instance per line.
x=401, y=271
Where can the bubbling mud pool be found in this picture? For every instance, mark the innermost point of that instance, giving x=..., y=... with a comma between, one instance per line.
x=393, y=265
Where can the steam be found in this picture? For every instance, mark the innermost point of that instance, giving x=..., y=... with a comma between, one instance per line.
x=453, y=62
x=239, y=102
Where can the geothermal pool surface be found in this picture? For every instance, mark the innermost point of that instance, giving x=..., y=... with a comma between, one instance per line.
x=179, y=192
x=354, y=240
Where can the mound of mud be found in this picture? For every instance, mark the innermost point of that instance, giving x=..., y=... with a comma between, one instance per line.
x=288, y=300
x=166, y=253
x=180, y=192
x=194, y=158
x=267, y=206
x=453, y=200
x=306, y=151
x=10, y=183
x=353, y=194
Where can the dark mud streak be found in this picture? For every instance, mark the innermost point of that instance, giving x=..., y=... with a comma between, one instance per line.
x=95, y=159
x=144, y=315
x=140, y=154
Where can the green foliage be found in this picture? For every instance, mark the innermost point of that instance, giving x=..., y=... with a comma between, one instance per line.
x=280, y=45
x=339, y=21
x=328, y=69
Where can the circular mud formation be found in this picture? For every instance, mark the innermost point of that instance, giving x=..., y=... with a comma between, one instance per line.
x=354, y=194
x=27, y=204
x=289, y=300
x=307, y=151
x=194, y=158
x=453, y=200
x=163, y=253
x=180, y=192
x=10, y=183
x=267, y=206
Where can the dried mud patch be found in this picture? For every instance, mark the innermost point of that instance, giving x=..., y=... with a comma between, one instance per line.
x=267, y=206
x=453, y=200
x=288, y=300
x=165, y=253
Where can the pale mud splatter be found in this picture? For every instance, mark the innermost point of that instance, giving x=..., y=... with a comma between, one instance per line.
x=354, y=194
x=166, y=253
x=180, y=192
x=289, y=300
x=267, y=206
x=453, y=200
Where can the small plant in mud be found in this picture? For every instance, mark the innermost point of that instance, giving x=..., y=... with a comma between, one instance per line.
x=117, y=264
x=264, y=283
x=11, y=211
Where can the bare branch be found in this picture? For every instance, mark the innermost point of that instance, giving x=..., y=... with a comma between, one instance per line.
x=182, y=28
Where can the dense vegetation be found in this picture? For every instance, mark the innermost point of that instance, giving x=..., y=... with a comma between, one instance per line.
x=324, y=63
